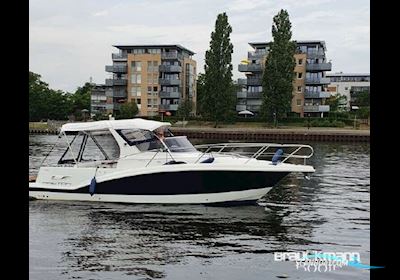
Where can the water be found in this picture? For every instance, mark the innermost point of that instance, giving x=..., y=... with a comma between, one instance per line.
x=82, y=240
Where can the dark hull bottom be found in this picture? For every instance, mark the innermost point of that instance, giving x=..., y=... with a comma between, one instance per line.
x=180, y=183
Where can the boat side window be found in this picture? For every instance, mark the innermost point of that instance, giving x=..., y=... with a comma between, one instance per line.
x=179, y=144
x=144, y=140
x=90, y=146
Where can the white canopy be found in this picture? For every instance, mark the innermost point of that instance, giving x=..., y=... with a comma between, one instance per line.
x=245, y=112
x=115, y=124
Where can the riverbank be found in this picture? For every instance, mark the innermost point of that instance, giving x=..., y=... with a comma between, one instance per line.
x=258, y=134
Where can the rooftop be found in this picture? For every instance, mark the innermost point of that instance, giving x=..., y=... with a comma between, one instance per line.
x=299, y=42
x=129, y=47
x=347, y=74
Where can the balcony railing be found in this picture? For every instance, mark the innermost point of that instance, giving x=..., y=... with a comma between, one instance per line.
x=119, y=56
x=116, y=68
x=240, y=107
x=241, y=94
x=250, y=68
x=119, y=93
x=170, y=55
x=316, y=108
x=116, y=82
x=256, y=95
x=315, y=54
x=256, y=55
x=165, y=94
x=242, y=81
x=254, y=82
x=317, y=81
x=326, y=66
x=317, y=94
x=170, y=82
x=169, y=107
x=109, y=106
x=170, y=68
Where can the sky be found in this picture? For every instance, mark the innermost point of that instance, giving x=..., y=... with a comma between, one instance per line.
x=71, y=41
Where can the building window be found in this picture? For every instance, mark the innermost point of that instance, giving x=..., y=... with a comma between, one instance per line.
x=299, y=88
x=155, y=89
x=149, y=78
x=136, y=91
x=298, y=102
x=138, y=101
x=346, y=88
x=136, y=78
x=299, y=75
x=136, y=66
x=300, y=61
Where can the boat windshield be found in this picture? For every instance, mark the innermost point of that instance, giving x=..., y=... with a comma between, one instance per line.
x=179, y=144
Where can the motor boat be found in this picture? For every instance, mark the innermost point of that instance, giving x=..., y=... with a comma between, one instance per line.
x=141, y=161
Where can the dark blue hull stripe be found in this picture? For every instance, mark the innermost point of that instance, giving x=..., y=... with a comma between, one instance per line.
x=183, y=182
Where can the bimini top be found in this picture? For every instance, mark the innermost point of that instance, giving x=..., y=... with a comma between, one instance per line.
x=115, y=124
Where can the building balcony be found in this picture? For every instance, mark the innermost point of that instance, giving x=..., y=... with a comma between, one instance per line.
x=316, y=108
x=170, y=82
x=241, y=107
x=170, y=55
x=317, y=94
x=242, y=81
x=110, y=106
x=316, y=54
x=168, y=107
x=120, y=93
x=256, y=55
x=256, y=95
x=250, y=68
x=116, y=82
x=170, y=68
x=119, y=56
x=165, y=94
x=254, y=82
x=253, y=108
x=326, y=66
x=317, y=81
x=241, y=94
x=116, y=69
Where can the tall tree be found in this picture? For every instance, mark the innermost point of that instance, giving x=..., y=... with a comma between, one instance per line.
x=200, y=108
x=81, y=98
x=218, y=98
x=277, y=81
x=336, y=102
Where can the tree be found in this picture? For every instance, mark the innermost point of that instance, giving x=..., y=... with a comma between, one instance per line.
x=81, y=99
x=185, y=108
x=200, y=93
x=277, y=81
x=128, y=110
x=45, y=103
x=336, y=102
x=217, y=98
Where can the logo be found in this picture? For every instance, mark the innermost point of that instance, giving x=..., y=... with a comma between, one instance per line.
x=323, y=261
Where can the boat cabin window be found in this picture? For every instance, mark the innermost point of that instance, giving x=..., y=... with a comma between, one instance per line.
x=179, y=144
x=144, y=140
x=87, y=146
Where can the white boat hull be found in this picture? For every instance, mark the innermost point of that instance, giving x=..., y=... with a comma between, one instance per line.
x=224, y=197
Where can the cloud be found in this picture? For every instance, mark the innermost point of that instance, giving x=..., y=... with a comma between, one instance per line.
x=68, y=45
x=100, y=13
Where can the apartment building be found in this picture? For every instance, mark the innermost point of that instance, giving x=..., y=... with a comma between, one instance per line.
x=349, y=85
x=309, y=85
x=99, y=102
x=156, y=77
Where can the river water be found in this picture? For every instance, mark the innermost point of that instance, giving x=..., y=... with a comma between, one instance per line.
x=329, y=213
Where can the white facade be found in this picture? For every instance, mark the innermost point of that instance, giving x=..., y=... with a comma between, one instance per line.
x=342, y=83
